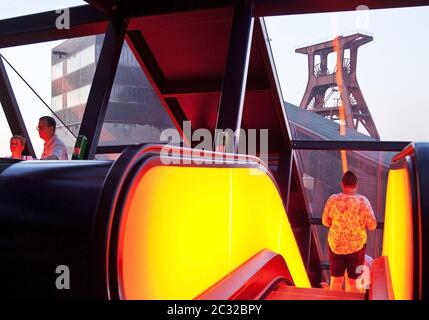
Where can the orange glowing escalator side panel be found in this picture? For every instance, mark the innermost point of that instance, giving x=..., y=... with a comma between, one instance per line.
x=185, y=228
x=398, y=233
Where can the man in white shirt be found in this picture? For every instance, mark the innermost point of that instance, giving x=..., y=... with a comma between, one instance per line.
x=54, y=148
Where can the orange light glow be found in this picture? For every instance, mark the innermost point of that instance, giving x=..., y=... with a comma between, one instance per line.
x=398, y=233
x=341, y=106
x=187, y=227
x=344, y=161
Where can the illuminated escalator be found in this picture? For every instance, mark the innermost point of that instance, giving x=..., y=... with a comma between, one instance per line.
x=154, y=224
x=266, y=276
x=177, y=226
x=400, y=273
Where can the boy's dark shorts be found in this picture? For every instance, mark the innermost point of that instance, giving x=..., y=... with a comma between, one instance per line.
x=340, y=262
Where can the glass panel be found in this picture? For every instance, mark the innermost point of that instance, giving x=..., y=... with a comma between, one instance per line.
x=321, y=173
x=375, y=87
x=10, y=9
x=61, y=72
x=135, y=113
x=63, y=76
x=5, y=135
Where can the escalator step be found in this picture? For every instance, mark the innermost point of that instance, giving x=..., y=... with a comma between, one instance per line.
x=284, y=292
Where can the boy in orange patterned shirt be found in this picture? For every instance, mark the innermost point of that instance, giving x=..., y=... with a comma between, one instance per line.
x=348, y=215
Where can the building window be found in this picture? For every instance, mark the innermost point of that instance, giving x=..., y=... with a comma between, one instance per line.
x=129, y=94
x=127, y=57
x=81, y=59
x=57, y=103
x=78, y=96
x=87, y=56
x=57, y=71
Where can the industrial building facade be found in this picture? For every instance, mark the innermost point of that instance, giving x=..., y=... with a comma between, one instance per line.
x=134, y=114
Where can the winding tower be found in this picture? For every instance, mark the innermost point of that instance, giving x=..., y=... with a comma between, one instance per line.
x=335, y=94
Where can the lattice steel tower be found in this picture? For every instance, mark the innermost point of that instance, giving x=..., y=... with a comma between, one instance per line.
x=335, y=94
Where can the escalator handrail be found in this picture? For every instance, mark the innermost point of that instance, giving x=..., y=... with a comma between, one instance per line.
x=381, y=282
x=250, y=280
x=272, y=286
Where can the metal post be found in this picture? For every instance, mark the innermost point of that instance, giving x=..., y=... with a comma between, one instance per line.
x=99, y=95
x=235, y=76
x=11, y=110
x=156, y=78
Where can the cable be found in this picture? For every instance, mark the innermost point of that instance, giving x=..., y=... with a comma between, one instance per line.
x=34, y=91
